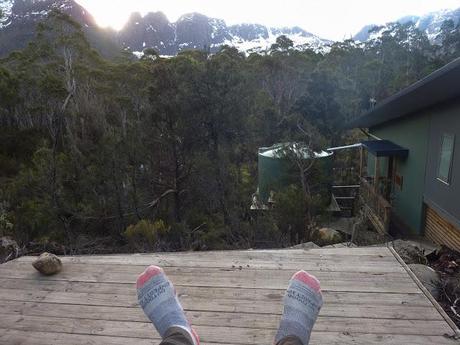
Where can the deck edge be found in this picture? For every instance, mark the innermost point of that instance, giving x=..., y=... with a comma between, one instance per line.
x=426, y=293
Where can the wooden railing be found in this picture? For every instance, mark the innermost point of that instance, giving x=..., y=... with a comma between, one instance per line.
x=377, y=207
x=345, y=198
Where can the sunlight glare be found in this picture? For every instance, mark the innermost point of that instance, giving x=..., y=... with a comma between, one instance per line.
x=333, y=19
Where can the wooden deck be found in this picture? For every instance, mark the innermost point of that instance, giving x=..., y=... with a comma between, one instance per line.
x=230, y=297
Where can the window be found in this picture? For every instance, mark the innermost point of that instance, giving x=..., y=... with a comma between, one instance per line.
x=445, y=159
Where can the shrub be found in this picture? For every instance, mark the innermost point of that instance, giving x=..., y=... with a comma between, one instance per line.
x=144, y=234
x=6, y=224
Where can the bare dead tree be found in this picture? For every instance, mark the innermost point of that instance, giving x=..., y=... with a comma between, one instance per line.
x=71, y=87
x=285, y=85
x=302, y=157
x=56, y=124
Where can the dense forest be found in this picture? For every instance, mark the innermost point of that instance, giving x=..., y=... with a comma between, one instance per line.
x=161, y=153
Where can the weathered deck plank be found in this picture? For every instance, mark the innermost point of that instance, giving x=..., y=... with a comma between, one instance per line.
x=234, y=277
x=231, y=297
x=81, y=311
x=220, y=321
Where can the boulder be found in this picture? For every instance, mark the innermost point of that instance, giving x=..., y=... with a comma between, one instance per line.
x=342, y=245
x=9, y=249
x=327, y=236
x=428, y=277
x=305, y=246
x=47, y=264
x=415, y=251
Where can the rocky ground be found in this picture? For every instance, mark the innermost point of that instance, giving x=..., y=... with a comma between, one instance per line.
x=437, y=268
x=9, y=249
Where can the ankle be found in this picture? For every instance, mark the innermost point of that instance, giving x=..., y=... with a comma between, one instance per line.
x=290, y=340
x=302, y=302
x=157, y=297
x=188, y=333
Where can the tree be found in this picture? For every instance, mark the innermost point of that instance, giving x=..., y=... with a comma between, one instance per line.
x=450, y=40
x=283, y=44
x=150, y=53
x=302, y=155
x=9, y=88
x=92, y=150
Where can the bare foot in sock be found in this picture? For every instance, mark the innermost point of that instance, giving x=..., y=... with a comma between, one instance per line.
x=158, y=299
x=302, y=302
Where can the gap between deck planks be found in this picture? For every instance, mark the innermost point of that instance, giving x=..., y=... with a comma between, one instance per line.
x=376, y=303
x=220, y=320
x=213, y=277
x=84, y=311
x=318, y=338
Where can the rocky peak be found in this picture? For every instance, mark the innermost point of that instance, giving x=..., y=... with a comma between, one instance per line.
x=151, y=31
x=157, y=17
x=430, y=24
x=20, y=19
x=295, y=30
x=197, y=31
x=154, y=30
x=22, y=11
x=249, y=32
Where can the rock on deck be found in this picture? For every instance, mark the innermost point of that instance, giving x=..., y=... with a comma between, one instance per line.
x=231, y=297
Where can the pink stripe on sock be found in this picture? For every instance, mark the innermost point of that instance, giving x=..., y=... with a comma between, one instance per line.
x=149, y=272
x=308, y=279
x=195, y=335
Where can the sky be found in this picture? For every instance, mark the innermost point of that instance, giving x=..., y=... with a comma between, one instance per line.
x=332, y=19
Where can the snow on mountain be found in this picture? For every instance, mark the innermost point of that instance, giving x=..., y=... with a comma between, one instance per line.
x=197, y=31
x=191, y=31
x=20, y=18
x=6, y=8
x=27, y=11
x=262, y=38
x=430, y=23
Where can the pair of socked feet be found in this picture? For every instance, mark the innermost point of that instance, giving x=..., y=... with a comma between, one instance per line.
x=302, y=302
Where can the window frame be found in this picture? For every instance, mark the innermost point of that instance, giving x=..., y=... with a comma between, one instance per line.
x=451, y=159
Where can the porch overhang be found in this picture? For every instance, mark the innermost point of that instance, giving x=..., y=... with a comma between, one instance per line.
x=385, y=148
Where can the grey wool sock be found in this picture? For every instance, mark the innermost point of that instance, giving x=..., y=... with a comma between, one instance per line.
x=158, y=299
x=302, y=302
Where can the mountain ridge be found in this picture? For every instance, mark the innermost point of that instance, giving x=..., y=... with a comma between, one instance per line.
x=153, y=30
x=429, y=23
x=197, y=31
x=20, y=18
x=190, y=31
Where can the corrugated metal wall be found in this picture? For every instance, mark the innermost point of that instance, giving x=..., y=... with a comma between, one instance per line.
x=439, y=230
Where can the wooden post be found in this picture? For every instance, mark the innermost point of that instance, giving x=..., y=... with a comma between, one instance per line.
x=386, y=220
x=390, y=176
x=376, y=174
x=361, y=162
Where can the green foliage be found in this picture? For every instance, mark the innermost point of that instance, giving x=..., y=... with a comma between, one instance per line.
x=283, y=43
x=6, y=224
x=150, y=53
x=8, y=90
x=144, y=234
x=263, y=232
x=450, y=38
x=289, y=214
x=97, y=149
